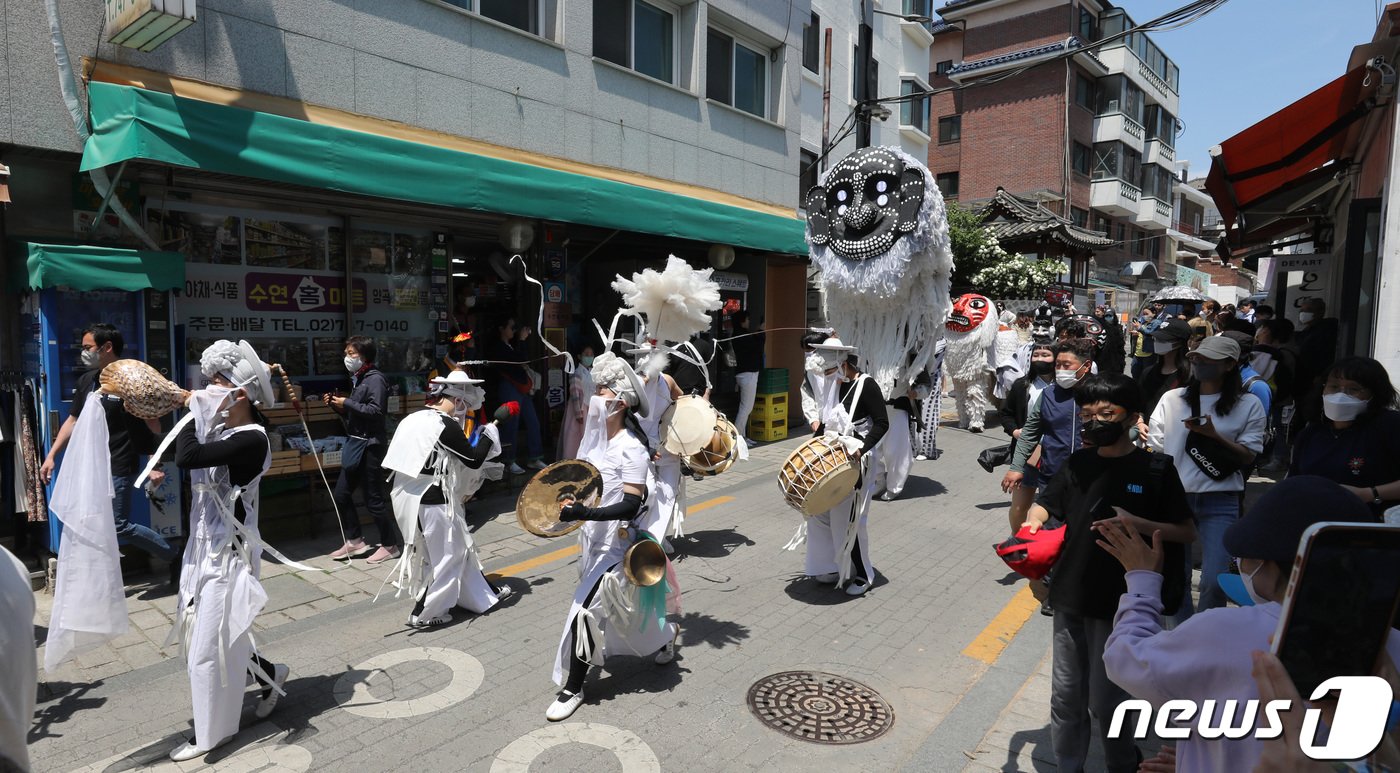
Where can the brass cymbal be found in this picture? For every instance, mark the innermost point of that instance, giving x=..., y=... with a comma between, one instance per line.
x=644, y=563
x=537, y=509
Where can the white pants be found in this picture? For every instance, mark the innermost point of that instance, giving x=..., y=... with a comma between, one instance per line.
x=664, y=507
x=748, y=387
x=456, y=579
x=225, y=589
x=826, y=539
x=897, y=451
x=973, y=403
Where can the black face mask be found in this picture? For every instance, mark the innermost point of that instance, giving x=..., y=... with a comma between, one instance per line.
x=1103, y=433
x=1042, y=368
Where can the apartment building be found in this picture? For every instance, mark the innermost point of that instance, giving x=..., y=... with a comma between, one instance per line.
x=1050, y=115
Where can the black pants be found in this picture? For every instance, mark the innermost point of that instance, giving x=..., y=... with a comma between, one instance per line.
x=578, y=667
x=360, y=466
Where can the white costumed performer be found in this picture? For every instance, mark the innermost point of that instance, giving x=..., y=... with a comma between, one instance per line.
x=971, y=356
x=436, y=469
x=928, y=389
x=853, y=412
x=609, y=615
x=878, y=230
x=673, y=304
x=226, y=451
x=1008, y=342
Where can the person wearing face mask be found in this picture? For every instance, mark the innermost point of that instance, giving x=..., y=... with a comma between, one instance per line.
x=1052, y=424
x=436, y=467
x=1277, y=361
x=127, y=439
x=1110, y=481
x=363, y=455
x=224, y=448
x=1170, y=369
x=597, y=627
x=1356, y=442
x=576, y=404
x=1014, y=412
x=853, y=412
x=1208, y=658
x=1213, y=430
x=1315, y=340
x=812, y=378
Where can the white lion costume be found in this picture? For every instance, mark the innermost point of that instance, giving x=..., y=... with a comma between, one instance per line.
x=878, y=230
x=971, y=335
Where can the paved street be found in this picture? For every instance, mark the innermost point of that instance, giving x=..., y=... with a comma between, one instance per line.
x=946, y=637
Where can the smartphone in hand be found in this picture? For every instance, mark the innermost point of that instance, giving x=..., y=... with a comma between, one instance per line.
x=1340, y=603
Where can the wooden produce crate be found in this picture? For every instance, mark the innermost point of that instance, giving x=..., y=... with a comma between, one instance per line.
x=285, y=463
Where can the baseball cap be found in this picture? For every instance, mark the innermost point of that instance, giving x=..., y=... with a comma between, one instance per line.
x=1032, y=555
x=1274, y=526
x=1174, y=330
x=1245, y=340
x=1218, y=348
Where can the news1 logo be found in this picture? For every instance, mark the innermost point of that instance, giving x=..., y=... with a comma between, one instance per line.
x=1358, y=724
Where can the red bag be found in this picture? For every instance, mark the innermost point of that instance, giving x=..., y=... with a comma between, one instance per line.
x=1032, y=555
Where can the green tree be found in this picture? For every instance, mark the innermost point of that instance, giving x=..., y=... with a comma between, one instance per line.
x=974, y=247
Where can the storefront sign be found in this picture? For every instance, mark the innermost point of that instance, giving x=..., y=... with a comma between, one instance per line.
x=553, y=262
x=146, y=24
x=556, y=314
x=728, y=280
x=287, y=292
x=553, y=292
x=1301, y=277
x=554, y=397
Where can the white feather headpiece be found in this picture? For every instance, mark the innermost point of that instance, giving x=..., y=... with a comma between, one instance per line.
x=676, y=302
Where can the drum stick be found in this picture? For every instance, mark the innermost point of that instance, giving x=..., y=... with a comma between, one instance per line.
x=301, y=414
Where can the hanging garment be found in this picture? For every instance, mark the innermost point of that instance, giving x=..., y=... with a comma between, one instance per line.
x=36, y=498
x=89, y=600
x=575, y=411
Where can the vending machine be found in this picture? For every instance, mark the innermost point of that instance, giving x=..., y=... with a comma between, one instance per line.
x=54, y=320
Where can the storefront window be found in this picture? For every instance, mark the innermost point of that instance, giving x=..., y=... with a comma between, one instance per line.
x=282, y=244
x=202, y=237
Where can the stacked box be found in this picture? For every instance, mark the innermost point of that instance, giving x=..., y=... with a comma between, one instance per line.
x=768, y=430
x=769, y=406
x=771, y=380
x=285, y=463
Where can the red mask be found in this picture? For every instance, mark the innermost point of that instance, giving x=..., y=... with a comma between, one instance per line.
x=968, y=312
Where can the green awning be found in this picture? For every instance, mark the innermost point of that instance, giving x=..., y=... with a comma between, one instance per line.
x=135, y=123
x=83, y=267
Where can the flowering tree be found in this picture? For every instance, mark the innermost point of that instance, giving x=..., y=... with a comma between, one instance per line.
x=1016, y=276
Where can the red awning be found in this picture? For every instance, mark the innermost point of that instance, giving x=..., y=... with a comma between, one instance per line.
x=1271, y=156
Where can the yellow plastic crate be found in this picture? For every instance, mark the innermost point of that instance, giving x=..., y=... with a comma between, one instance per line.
x=771, y=407
x=768, y=430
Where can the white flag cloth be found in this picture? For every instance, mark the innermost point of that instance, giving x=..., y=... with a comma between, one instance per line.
x=89, y=601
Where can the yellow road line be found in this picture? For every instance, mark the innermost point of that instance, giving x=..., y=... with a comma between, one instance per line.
x=988, y=645
x=524, y=566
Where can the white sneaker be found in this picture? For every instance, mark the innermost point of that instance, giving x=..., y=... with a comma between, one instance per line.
x=516, y=469
x=668, y=653
x=829, y=579
x=921, y=458
x=888, y=497
x=564, y=706
x=857, y=588
x=267, y=704
x=503, y=592
x=430, y=622
x=188, y=751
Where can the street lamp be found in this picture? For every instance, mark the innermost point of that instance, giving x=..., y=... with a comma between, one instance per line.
x=914, y=17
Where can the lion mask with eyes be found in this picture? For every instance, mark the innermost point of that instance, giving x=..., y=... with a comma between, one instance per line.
x=878, y=230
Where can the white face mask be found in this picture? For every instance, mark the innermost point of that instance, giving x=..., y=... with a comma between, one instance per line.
x=1305, y=317
x=90, y=358
x=1067, y=379
x=1343, y=407
x=1163, y=347
x=1249, y=586
x=353, y=364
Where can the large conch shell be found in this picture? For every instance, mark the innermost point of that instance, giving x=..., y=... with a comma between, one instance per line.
x=145, y=393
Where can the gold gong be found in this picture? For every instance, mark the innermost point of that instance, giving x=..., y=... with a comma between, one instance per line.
x=644, y=563
x=537, y=509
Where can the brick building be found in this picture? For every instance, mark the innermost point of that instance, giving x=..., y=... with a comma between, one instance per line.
x=1087, y=130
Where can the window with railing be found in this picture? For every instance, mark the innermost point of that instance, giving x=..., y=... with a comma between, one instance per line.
x=1155, y=182
x=1161, y=125
x=1114, y=160
x=1115, y=21
x=1117, y=94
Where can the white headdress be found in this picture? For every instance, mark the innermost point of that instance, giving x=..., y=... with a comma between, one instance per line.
x=613, y=372
x=240, y=364
x=459, y=385
x=673, y=304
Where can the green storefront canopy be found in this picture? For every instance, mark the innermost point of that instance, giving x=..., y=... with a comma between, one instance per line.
x=82, y=267
x=134, y=123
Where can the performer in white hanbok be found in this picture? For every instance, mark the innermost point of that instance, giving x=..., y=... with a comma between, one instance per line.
x=928, y=389
x=610, y=616
x=665, y=505
x=576, y=404
x=852, y=408
x=811, y=379
x=225, y=450
x=436, y=468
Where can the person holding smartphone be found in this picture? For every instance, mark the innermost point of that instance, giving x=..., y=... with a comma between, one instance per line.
x=1209, y=657
x=1213, y=430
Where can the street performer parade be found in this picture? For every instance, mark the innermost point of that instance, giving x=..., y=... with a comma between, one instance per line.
x=650, y=445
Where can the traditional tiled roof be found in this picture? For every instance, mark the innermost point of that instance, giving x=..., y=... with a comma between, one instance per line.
x=941, y=26
x=1025, y=53
x=1014, y=219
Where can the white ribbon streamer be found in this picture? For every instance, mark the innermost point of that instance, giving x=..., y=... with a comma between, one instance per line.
x=539, y=321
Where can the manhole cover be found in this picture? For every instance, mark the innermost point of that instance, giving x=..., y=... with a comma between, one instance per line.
x=820, y=707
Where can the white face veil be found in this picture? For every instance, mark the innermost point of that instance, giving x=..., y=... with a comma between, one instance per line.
x=594, y=443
